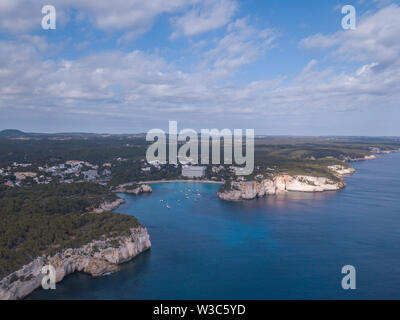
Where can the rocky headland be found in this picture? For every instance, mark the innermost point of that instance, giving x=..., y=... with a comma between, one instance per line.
x=96, y=258
x=109, y=206
x=249, y=190
x=134, y=189
x=367, y=157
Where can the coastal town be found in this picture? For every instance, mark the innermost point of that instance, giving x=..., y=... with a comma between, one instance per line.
x=19, y=174
x=78, y=171
x=25, y=174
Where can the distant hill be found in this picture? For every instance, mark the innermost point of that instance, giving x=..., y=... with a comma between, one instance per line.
x=11, y=133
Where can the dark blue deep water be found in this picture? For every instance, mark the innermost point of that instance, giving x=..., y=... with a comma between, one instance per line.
x=282, y=247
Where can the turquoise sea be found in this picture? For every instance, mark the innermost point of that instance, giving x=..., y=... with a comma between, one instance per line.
x=282, y=247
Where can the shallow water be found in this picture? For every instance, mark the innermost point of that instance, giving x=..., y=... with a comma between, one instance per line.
x=282, y=247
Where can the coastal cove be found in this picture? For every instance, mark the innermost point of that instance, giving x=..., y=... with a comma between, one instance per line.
x=286, y=246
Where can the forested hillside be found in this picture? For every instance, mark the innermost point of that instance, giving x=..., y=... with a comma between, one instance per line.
x=45, y=218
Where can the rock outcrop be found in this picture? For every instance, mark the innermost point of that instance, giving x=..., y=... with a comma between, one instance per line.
x=142, y=188
x=341, y=171
x=109, y=206
x=367, y=157
x=96, y=258
x=248, y=190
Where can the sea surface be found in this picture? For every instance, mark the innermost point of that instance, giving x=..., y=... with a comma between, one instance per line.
x=282, y=247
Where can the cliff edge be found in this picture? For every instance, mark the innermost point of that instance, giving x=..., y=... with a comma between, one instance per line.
x=134, y=189
x=96, y=258
x=248, y=190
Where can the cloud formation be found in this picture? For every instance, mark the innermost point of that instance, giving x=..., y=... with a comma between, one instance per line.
x=129, y=82
x=205, y=16
x=146, y=86
x=374, y=45
x=375, y=38
x=133, y=16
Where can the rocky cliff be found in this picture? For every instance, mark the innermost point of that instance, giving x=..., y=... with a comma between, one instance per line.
x=248, y=190
x=367, y=157
x=142, y=188
x=109, y=206
x=96, y=258
x=341, y=171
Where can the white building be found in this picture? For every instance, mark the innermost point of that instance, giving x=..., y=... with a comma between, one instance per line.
x=90, y=175
x=193, y=171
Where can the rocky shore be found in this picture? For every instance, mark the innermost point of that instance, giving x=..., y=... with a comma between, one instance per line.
x=109, y=206
x=186, y=181
x=368, y=157
x=131, y=189
x=248, y=190
x=96, y=258
x=341, y=171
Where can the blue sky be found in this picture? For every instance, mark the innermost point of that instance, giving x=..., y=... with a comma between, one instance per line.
x=279, y=67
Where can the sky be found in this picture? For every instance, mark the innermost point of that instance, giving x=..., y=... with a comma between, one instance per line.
x=280, y=67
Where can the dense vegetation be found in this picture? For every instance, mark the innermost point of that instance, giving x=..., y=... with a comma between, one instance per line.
x=130, y=171
x=45, y=218
x=94, y=150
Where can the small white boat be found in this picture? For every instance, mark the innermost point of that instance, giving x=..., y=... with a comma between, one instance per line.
x=168, y=206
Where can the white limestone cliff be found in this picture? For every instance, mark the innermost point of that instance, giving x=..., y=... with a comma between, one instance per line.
x=142, y=188
x=248, y=190
x=96, y=258
x=340, y=170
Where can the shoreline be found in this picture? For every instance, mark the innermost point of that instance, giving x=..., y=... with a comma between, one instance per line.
x=339, y=185
x=179, y=181
x=302, y=213
x=118, y=203
x=96, y=258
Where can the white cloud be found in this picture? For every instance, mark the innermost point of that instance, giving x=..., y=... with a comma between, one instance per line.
x=376, y=38
x=121, y=14
x=205, y=16
x=17, y=15
x=320, y=41
x=372, y=51
x=241, y=45
x=134, y=16
x=135, y=85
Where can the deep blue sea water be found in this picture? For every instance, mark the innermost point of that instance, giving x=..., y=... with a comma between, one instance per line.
x=282, y=247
